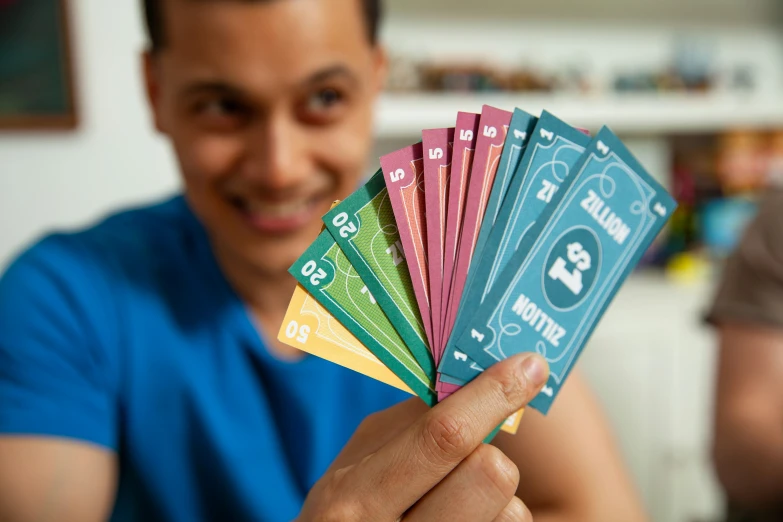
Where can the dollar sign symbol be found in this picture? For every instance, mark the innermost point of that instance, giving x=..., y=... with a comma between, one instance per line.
x=579, y=256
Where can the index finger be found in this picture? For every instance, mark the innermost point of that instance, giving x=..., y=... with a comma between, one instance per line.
x=401, y=472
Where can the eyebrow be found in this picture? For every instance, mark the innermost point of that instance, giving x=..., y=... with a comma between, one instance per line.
x=335, y=71
x=211, y=86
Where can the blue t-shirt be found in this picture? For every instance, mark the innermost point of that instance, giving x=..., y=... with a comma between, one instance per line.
x=128, y=336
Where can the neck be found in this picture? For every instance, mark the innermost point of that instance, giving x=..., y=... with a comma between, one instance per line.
x=266, y=294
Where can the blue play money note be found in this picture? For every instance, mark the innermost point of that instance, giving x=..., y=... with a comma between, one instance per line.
x=558, y=284
x=553, y=149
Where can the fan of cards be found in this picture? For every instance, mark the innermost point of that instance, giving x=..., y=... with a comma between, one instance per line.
x=507, y=233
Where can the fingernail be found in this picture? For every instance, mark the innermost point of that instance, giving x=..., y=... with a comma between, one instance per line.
x=535, y=369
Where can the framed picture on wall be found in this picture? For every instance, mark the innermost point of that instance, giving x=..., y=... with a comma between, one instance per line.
x=36, y=66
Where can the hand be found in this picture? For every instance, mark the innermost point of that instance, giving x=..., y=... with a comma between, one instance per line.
x=416, y=464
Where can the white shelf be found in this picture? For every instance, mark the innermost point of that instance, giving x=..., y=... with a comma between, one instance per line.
x=405, y=115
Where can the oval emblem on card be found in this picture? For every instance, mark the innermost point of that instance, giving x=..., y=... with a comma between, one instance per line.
x=571, y=268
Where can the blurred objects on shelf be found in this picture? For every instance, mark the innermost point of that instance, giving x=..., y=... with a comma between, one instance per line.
x=403, y=75
x=528, y=80
x=690, y=68
x=461, y=78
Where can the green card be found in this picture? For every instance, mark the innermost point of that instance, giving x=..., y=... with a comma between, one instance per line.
x=364, y=227
x=331, y=279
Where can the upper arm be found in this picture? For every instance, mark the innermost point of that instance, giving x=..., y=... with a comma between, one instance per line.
x=58, y=413
x=748, y=310
x=750, y=373
x=568, y=461
x=48, y=479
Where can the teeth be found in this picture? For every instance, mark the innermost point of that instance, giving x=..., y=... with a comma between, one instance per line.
x=276, y=210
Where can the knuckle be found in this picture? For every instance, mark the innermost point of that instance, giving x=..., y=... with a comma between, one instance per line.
x=370, y=426
x=515, y=511
x=515, y=389
x=342, y=511
x=369, y=421
x=339, y=504
x=446, y=439
x=497, y=470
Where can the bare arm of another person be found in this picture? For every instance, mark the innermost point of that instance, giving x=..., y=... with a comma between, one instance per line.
x=748, y=440
x=748, y=311
x=48, y=479
x=570, y=469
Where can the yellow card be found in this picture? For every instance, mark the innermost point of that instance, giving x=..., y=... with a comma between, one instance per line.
x=512, y=422
x=311, y=328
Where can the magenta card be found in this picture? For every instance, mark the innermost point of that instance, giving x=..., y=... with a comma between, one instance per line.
x=403, y=171
x=464, y=145
x=437, y=145
x=492, y=130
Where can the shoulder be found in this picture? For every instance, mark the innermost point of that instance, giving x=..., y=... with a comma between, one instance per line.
x=74, y=277
x=125, y=241
x=62, y=304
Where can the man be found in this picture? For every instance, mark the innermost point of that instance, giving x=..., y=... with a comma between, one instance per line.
x=748, y=311
x=139, y=373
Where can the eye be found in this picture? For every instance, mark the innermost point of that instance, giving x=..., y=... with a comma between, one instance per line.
x=219, y=107
x=324, y=99
x=220, y=113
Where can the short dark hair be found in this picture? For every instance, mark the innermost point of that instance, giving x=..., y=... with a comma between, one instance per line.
x=153, y=17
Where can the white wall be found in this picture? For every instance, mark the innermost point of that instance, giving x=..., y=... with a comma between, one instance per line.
x=114, y=159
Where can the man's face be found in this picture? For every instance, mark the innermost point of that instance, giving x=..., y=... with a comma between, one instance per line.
x=269, y=108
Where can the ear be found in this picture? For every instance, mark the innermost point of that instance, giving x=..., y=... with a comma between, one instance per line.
x=152, y=88
x=381, y=67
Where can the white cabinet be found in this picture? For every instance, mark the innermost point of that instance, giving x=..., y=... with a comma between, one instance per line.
x=651, y=362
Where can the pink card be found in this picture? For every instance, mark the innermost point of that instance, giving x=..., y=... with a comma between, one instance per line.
x=437, y=145
x=403, y=172
x=464, y=145
x=492, y=131
x=445, y=389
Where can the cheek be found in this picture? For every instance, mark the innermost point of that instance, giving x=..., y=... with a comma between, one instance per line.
x=206, y=158
x=344, y=150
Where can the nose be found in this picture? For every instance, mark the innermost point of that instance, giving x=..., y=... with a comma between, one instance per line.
x=277, y=154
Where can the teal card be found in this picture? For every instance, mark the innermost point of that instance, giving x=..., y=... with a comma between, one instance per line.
x=554, y=148
x=568, y=268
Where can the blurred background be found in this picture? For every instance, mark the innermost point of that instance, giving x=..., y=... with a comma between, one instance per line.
x=695, y=87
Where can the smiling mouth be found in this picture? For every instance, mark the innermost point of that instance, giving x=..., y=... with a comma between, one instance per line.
x=278, y=217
